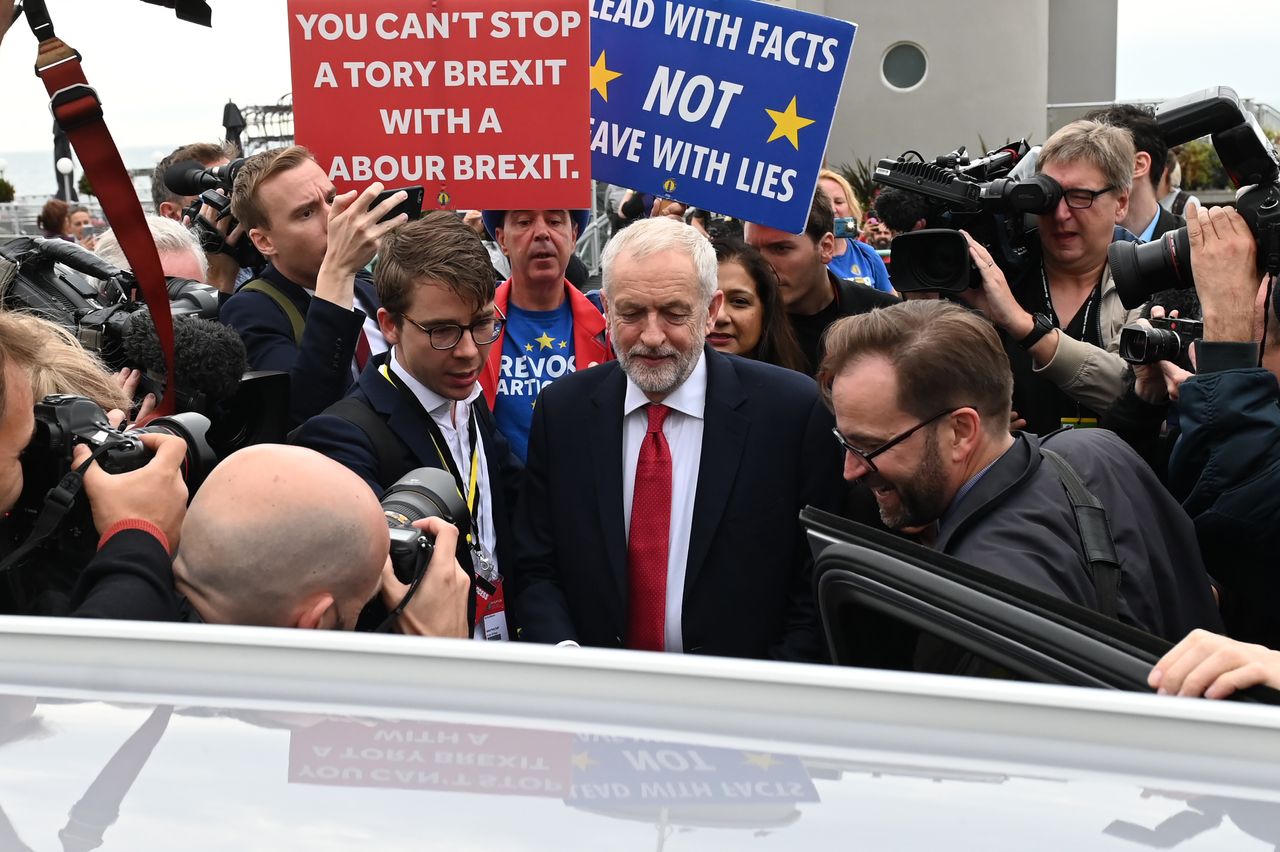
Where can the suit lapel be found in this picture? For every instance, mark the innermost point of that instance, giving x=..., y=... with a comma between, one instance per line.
x=606, y=458
x=724, y=437
x=405, y=416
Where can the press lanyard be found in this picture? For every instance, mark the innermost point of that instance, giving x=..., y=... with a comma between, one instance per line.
x=472, y=489
x=1096, y=294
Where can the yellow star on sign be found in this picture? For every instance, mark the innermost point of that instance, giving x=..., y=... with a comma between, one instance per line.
x=564, y=344
x=764, y=761
x=788, y=123
x=545, y=341
x=583, y=760
x=528, y=347
x=601, y=77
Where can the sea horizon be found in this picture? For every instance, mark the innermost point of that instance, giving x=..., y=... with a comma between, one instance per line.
x=32, y=172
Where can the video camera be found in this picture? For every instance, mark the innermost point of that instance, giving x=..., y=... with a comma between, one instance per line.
x=49, y=534
x=1167, y=339
x=975, y=195
x=97, y=303
x=1253, y=165
x=212, y=187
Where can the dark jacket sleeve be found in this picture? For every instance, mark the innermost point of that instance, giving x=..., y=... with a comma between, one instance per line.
x=130, y=578
x=320, y=368
x=1226, y=465
x=345, y=443
x=542, y=612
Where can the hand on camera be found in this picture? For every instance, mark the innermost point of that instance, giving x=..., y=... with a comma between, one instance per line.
x=127, y=380
x=155, y=492
x=995, y=299
x=223, y=268
x=1158, y=383
x=1224, y=259
x=1214, y=666
x=439, y=607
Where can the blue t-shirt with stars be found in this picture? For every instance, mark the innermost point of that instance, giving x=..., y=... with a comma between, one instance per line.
x=537, y=349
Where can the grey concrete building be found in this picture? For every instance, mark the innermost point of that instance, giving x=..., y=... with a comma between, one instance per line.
x=931, y=75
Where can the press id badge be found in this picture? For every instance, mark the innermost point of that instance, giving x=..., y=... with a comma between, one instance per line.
x=491, y=603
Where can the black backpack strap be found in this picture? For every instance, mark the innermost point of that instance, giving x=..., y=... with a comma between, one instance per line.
x=388, y=449
x=1179, y=202
x=1095, y=535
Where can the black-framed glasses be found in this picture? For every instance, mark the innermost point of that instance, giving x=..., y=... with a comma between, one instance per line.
x=1082, y=199
x=446, y=335
x=868, y=458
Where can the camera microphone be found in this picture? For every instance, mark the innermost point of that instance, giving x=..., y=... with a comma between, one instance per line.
x=209, y=356
x=189, y=177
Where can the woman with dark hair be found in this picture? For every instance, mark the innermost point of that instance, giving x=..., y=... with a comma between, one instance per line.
x=52, y=220
x=751, y=321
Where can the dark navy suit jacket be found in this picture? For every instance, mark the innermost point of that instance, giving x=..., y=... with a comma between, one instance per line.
x=767, y=451
x=320, y=367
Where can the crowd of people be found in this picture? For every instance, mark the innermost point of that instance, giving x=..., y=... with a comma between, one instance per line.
x=633, y=460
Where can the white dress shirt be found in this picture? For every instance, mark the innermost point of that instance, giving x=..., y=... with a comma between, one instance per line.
x=452, y=417
x=683, y=430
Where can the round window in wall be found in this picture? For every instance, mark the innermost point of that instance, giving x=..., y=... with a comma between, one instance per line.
x=904, y=66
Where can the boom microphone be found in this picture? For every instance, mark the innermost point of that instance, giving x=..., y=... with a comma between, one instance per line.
x=75, y=256
x=209, y=357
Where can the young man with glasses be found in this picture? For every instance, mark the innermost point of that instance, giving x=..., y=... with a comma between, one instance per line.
x=419, y=404
x=1060, y=318
x=928, y=432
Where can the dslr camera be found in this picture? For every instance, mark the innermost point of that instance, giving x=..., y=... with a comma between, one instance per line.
x=426, y=492
x=1251, y=161
x=51, y=524
x=1165, y=340
x=976, y=195
x=191, y=178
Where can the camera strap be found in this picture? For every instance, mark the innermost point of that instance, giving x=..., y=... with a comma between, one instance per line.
x=57, y=503
x=77, y=109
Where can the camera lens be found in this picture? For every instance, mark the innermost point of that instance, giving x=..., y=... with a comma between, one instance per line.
x=427, y=492
x=1141, y=269
x=934, y=260
x=1142, y=345
x=193, y=429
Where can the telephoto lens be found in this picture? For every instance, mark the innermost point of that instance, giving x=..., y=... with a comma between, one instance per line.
x=425, y=492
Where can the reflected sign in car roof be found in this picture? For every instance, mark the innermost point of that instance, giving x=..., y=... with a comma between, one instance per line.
x=137, y=737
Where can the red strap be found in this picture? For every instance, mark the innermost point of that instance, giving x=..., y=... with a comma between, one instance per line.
x=363, y=352
x=79, y=112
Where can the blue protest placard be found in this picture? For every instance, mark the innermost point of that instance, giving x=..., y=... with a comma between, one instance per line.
x=722, y=104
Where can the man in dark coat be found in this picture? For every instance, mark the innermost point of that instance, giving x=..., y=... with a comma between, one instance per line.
x=681, y=535
x=929, y=433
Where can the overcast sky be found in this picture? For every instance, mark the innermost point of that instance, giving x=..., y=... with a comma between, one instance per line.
x=164, y=82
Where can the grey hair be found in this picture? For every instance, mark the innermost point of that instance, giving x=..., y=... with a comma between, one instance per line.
x=650, y=236
x=170, y=238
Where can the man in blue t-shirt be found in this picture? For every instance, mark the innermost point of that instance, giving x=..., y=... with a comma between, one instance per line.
x=551, y=328
x=537, y=349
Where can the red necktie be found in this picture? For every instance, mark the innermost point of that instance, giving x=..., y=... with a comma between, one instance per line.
x=362, y=351
x=650, y=536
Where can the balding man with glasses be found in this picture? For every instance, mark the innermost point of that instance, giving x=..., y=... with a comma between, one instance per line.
x=419, y=404
x=1060, y=316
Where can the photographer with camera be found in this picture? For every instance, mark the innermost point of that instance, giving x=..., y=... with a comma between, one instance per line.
x=1225, y=466
x=257, y=549
x=310, y=313
x=1061, y=318
x=138, y=514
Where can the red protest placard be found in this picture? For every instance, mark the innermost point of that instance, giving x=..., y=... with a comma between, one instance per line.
x=486, y=107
